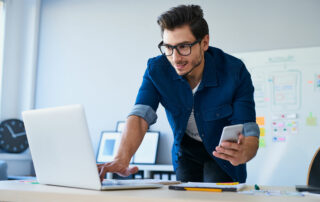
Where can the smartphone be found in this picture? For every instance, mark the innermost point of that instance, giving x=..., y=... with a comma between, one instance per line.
x=231, y=133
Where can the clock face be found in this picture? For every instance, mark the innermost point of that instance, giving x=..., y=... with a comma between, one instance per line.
x=13, y=136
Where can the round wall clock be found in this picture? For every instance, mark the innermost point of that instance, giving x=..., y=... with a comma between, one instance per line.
x=13, y=137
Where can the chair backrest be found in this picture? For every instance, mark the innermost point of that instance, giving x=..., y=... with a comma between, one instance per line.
x=314, y=170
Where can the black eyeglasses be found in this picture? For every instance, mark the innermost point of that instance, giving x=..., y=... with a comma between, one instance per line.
x=183, y=49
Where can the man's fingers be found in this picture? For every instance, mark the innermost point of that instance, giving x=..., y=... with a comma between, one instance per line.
x=233, y=152
x=113, y=168
x=230, y=145
x=103, y=169
x=102, y=173
x=128, y=171
x=133, y=170
x=222, y=156
x=229, y=152
x=100, y=166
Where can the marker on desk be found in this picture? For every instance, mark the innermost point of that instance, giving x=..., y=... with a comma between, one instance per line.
x=256, y=187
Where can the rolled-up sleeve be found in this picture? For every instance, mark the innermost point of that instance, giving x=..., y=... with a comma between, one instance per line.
x=251, y=129
x=144, y=111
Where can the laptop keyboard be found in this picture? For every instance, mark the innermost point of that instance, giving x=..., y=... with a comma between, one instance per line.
x=137, y=181
x=108, y=182
x=126, y=182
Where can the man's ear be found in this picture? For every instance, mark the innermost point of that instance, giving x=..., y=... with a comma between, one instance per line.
x=205, y=42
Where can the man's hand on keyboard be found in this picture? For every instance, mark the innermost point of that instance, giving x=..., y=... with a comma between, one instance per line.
x=118, y=167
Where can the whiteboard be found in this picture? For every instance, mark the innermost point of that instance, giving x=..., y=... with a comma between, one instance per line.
x=287, y=97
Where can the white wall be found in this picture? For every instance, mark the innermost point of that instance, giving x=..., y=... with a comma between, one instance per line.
x=19, y=57
x=95, y=52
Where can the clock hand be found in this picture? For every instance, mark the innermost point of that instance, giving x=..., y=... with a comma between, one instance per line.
x=20, y=134
x=11, y=131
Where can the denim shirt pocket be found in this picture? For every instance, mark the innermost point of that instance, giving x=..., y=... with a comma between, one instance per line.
x=217, y=113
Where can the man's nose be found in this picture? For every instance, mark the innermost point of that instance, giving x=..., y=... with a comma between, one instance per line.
x=175, y=55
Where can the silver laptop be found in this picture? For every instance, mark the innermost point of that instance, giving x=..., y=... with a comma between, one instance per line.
x=62, y=152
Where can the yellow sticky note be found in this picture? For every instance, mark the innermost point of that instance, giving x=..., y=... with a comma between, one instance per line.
x=260, y=120
x=262, y=132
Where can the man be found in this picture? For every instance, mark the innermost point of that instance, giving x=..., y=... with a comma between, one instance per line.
x=202, y=90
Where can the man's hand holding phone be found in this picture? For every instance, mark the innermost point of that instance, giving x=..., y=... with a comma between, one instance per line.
x=234, y=146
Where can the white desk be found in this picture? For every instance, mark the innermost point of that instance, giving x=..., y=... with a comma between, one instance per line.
x=19, y=191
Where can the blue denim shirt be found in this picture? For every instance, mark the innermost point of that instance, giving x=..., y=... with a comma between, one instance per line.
x=224, y=97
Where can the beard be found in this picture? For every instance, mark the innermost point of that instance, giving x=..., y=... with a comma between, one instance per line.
x=194, y=64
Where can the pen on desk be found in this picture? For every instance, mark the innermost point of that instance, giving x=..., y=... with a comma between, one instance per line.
x=202, y=189
x=227, y=183
x=256, y=187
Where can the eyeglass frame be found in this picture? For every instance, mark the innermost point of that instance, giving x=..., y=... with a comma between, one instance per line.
x=176, y=47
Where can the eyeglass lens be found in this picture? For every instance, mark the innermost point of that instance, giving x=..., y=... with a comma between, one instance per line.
x=182, y=49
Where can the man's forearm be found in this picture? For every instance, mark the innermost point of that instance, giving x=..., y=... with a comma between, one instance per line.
x=132, y=136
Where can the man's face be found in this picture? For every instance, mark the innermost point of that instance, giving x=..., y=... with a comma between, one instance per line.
x=183, y=35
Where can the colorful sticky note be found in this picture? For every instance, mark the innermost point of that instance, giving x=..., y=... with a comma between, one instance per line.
x=311, y=120
x=317, y=82
x=260, y=120
x=278, y=139
x=262, y=142
x=262, y=132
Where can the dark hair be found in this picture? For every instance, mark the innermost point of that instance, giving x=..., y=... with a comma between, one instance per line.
x=191, y=15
